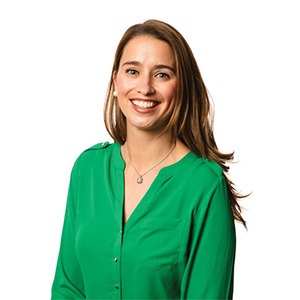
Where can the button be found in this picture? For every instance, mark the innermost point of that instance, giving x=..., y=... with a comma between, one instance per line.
x=115, y=259
x=116, y=286
x=104, y=145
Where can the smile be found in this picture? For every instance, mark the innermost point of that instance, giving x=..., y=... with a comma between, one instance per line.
x=144, y=104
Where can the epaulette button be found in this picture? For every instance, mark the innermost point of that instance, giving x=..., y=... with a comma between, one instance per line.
x=104, y=145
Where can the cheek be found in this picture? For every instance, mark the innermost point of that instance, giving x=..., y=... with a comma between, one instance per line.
x=170, y=93
x=122, y=86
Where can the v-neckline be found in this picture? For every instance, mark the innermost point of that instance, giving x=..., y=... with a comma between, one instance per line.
x=165, y=172
x=142, y=204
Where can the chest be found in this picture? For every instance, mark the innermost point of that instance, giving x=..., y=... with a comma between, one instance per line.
x=134, y=191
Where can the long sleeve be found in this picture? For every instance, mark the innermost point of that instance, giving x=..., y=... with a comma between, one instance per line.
x=210, y=265
x=68, y=282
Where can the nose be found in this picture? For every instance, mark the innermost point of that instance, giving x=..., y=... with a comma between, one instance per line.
x=145, y=86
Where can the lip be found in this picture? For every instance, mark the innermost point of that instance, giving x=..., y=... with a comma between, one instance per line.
x=145, y=105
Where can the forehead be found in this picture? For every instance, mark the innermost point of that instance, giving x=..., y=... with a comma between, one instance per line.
x=148, y=49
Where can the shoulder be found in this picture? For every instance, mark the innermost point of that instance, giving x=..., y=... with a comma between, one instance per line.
x=208, y=170
x=212, y=167
x=209, y=184
x=199, y=174
x=95, y=154
x=100, y=148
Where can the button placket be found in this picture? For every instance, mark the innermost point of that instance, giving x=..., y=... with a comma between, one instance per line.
x=117, y=254
x=116, y=264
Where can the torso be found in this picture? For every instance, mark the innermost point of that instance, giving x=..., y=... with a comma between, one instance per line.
x=134, y=192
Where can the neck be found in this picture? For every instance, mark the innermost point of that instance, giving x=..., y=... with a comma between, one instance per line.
x=145, y=149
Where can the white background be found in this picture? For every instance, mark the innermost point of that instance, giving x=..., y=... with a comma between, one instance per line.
x=55, y=62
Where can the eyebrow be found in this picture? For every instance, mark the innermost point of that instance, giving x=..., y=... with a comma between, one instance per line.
x=159, y=66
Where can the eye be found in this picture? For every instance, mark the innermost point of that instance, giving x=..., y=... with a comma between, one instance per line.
x=162, y=75
x=131, y=71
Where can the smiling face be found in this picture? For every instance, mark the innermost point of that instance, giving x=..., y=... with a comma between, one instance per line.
x=146, y=83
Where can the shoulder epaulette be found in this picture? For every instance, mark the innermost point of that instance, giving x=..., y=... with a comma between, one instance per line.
x=99, y=146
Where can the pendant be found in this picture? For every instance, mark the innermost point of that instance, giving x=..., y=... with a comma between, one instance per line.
x=139, y=180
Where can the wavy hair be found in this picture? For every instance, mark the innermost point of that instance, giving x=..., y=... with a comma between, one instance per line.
x=192, y=118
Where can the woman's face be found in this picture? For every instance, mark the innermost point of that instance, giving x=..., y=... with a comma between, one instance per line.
x=146, y=83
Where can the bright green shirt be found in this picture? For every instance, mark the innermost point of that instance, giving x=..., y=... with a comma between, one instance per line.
x=179, y=243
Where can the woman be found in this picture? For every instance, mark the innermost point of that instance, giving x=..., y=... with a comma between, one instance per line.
x=151, y=216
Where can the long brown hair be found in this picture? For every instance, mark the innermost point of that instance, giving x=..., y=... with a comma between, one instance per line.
x=192, y=118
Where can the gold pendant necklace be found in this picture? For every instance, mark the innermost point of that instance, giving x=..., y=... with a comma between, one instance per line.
x=139, y=179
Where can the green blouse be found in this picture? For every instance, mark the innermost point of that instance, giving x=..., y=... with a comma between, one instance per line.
x=179, y=243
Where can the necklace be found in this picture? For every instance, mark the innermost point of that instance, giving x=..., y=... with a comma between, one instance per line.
x=139, y=179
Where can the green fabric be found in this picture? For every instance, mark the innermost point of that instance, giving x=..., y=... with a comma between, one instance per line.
x=179, y=243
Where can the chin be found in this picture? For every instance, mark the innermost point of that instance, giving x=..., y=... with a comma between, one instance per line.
x=150, y=125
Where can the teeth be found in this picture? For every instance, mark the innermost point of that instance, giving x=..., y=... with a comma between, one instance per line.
x=143, y=104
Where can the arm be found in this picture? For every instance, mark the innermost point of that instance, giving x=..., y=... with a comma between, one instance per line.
x=210, y=265
x=68, y=282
